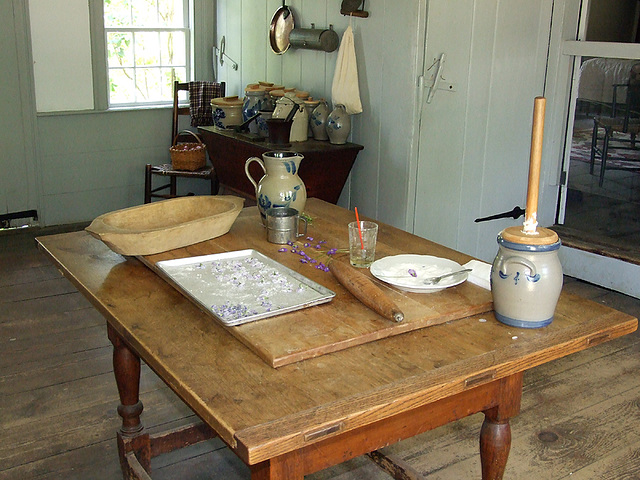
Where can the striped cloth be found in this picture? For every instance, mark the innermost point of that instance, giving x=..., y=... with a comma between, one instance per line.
x=200, y=95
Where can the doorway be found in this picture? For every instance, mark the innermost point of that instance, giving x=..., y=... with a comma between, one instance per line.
x=18, y=192
x=599, y=210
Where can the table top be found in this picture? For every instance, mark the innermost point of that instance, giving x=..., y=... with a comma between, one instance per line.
x=261, y=411
x=344, y=322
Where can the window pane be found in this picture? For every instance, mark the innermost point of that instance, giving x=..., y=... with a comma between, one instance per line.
x=613, y=21
x=173, y=48
x=117, y=13
x=171, y=75
x=143, y=61
x=121, y=86
x=147, y=48
x=120, y=49
x=171, y=13
x=149, y=85
x=145, y=13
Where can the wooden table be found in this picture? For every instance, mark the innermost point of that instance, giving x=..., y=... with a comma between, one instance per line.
x=303, y=417
x=324, y=170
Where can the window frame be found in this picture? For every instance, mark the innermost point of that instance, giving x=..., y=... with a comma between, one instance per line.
x=100, y=55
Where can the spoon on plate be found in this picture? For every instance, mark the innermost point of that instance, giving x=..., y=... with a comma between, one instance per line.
x=436, y=280
x=432, y=280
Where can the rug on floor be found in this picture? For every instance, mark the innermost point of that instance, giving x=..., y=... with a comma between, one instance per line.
x=618, y=158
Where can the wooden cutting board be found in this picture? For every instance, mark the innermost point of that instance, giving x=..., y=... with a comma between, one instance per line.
x=344, y=322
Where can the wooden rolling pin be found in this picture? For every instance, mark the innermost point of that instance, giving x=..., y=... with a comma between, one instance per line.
x=365, y=290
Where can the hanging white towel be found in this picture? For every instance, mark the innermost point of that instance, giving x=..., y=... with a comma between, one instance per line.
x=344, y=90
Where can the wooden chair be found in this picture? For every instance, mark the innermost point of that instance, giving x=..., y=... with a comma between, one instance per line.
x=166, y=170
x=620, y=128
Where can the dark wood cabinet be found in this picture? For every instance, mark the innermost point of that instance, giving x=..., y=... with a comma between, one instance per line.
x=324, y=170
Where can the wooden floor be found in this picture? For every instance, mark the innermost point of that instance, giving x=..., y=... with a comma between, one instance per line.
x=580, y=415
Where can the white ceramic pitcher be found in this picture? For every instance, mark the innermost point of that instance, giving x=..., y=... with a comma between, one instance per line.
x=280, y=186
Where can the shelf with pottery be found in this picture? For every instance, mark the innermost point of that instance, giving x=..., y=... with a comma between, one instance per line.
x=324, y=169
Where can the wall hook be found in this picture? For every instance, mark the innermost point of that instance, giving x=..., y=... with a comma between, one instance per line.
x=220, y=53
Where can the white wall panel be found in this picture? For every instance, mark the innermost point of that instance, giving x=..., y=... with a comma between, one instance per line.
x=61, y=47
x=387, y=53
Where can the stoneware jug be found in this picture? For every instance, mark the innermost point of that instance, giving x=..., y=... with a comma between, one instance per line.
x=310, y=105
x=526, y=281
x=318, y=121
x=280, y=186
x=338, y=125
x=255, y=100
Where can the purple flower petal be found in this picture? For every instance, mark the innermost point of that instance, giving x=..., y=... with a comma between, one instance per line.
x=412, y=272
x=283, y=249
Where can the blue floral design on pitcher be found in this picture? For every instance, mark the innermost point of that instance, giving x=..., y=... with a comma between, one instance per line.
x=291, y=168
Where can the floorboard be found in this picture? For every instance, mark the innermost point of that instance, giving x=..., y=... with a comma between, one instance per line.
x=58, y=399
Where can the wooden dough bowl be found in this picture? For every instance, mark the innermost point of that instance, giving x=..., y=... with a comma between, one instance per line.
x=166, y=225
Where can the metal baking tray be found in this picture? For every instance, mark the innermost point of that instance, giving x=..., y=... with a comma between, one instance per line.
x=242, y=286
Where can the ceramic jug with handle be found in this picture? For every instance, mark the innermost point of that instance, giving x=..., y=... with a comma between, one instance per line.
x=280, y=186
x=318, y=120
x=338, y=125
x=526, y=281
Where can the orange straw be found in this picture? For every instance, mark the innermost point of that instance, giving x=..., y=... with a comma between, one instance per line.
x=359, y=229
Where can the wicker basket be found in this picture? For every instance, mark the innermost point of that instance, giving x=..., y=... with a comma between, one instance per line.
x=188, y=156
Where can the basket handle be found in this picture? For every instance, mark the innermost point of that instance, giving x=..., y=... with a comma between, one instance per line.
x=189, y=132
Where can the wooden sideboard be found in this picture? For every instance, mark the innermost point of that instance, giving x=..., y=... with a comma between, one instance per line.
x=324, y=170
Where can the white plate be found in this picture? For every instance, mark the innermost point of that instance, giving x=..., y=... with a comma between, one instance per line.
x=394, y=270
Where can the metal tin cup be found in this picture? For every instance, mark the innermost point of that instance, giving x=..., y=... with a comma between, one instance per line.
x=283, y=225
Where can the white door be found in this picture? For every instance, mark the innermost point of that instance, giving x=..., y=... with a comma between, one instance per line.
x=475, y=127
x=17, y=160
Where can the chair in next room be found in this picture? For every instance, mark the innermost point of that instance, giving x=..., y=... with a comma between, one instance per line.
x=620, y=130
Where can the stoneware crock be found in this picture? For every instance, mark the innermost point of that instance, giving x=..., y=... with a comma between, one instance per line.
x=526, y=281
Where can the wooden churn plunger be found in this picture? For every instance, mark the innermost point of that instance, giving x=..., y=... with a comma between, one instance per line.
x=526, y=276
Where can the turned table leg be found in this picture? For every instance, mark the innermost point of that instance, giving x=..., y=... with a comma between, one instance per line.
x=495, y=435
x=131, y=437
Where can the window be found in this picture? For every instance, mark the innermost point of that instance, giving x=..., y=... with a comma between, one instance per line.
x=148, y=48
